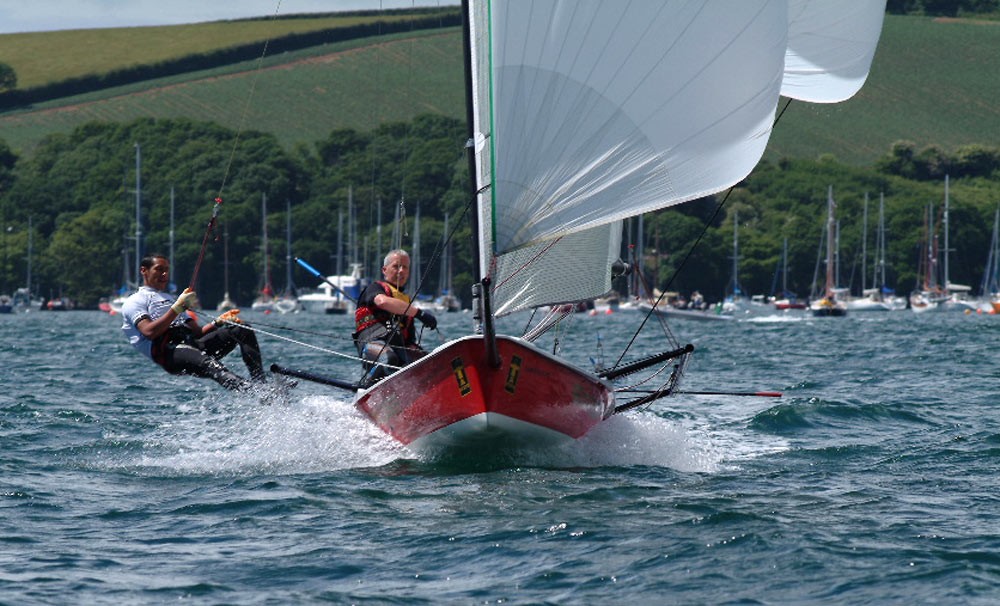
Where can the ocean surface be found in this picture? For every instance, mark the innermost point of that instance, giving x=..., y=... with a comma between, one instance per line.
x=875, y=479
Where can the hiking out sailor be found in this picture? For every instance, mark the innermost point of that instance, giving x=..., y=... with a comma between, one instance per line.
x=384, y=330
x=156, y=323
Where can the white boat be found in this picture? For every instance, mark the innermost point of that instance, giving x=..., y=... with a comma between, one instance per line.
x=736, y=303
x=583, y=114
x=879, y=297
x=335, y=294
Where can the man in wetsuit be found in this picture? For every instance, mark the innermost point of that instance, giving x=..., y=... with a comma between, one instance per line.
x=384, y=333
x=156, y=324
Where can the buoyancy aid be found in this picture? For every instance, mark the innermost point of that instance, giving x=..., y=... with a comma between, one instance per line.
x=369, y=315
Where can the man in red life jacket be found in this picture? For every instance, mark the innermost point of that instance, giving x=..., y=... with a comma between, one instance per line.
x=385, y=334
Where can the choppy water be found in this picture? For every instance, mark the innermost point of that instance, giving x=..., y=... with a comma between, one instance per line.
x=873, y=481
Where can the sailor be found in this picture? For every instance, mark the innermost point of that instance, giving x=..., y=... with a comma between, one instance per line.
x=384, y=331
x=156, y=324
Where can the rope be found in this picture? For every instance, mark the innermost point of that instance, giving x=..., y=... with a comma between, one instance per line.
x=246, y=108
x=690, y=251
x=232, y=156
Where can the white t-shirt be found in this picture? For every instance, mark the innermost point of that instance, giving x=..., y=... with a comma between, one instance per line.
x=146, y=303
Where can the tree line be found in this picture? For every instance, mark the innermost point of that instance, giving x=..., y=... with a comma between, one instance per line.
x=353, y=194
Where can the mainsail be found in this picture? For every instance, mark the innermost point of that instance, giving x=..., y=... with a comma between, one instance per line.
x=589, y=112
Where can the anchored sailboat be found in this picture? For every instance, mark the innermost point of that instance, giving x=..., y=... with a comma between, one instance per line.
x=937, y=292
x=832, y=302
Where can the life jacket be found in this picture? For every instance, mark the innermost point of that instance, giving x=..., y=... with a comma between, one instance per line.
x=367, y=316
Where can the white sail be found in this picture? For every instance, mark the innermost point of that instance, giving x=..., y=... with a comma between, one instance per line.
x=587, y=112
x=831, y=44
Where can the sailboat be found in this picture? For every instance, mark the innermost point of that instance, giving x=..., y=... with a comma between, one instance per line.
x=935, y=295
x=880, y=297
x=446, y=299
x=990, y=288
x=130, y=281
x=832, y=302
x=288, y=301
x=24, y=299
x=336, y=294
x=265, y=300
x=737, y=303
x=227, y=303
x=582, y=115
x=786, y=300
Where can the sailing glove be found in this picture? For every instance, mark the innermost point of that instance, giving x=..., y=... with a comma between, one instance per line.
x=427, y=318
x=187, y=300
x=230, y=317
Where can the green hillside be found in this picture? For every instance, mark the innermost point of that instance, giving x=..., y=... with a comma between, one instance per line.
x=44, y=57
x=299, y=97
x=932, y=82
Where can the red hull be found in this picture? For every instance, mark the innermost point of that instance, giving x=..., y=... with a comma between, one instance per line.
x=532, y=393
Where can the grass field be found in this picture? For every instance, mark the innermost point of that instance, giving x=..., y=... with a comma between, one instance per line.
x=932, y=82
x=299, y=96
x=43, y=57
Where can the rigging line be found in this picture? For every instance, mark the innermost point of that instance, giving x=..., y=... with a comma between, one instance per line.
x=408, y=146
x=663, y=323
x=525, y=265
x=204, y=242
x=246, y=107
x=333, y=352
x=256, y=324
x=440, y=247
x=396, y=325
x=376, y=200
x=690, y=251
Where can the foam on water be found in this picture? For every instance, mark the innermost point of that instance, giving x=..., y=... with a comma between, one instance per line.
x=300, y=435
x=236, y=434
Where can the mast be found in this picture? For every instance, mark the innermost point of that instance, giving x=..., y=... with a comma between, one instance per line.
x=947, y=279
x=879, y=277
x=225, y=261
x=289, y=288
x=138, y=214
x=784, y=267
x=340, y=243
x=736, y=256
x=415, y=260
x=829, y=242
x=267, y=290
x=28, y=277
x=444, y=273
x=482, y=309
x=989, y=285
x=470, y=143
x=173, y=286
x=864, y=245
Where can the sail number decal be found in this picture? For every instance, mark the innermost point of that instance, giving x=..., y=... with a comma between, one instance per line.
x=512, y=374
x=458, y=368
